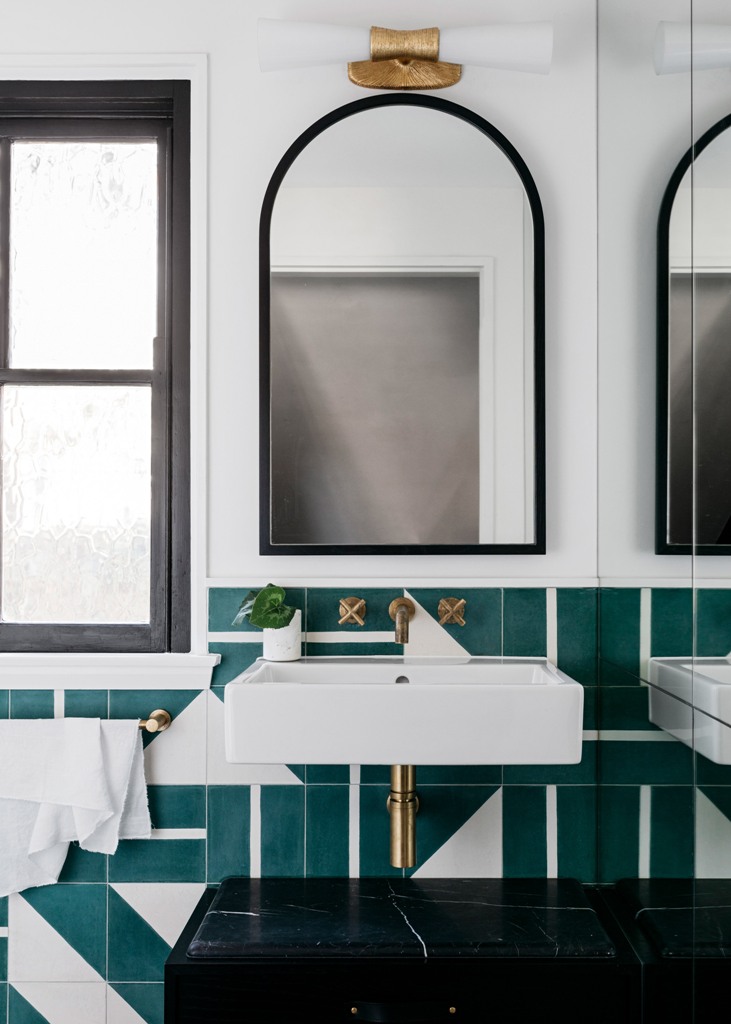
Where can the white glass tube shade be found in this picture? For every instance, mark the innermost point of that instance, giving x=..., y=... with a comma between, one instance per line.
x=677, y=49
x=284, y=45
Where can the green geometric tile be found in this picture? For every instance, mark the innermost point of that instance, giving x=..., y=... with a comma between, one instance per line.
x=4, y=703
x=374, y=833
x=3, y=911
x=352, y=650
x=177, y=806
x=619, y=633
x=86, y=703
x=31, y=704
x=482, y=631
x=228, y=831
x=442, y=812
x=672, y=622
x=591, y=707
x=20, y=1011
x=3, y=959
x=136, y=951
x=319, y=774
x=459, y=774
x=708, y=773
x=524, y=831
x=624, y=707
x=618, y=833
x=282, y=831
x=159, y=860
x=3, y=1004
x=79, y=914
x=577, y=613
x=323, y=604
x=223, y=606
x=148, y=1000
x=671, y=832
x=721, y=798
x=713, y=623
x=576, y=812
x=375, y=775
x=83, y=866
x=235, y=659
x=524, y=622
x=649, y=763
x=581, y=774
x=327, y=834
x=127, y=704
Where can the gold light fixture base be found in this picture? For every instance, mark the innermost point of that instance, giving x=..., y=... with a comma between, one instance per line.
x=404, y=59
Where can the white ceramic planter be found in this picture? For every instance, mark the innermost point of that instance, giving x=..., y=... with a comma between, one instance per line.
x=284, y=644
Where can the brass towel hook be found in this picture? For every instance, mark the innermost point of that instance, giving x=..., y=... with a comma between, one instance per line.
x=157, y=722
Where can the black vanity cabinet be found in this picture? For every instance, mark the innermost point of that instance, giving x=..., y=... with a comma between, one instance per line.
x=282, y=951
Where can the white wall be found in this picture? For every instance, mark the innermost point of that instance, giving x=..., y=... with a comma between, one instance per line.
x=253, y=118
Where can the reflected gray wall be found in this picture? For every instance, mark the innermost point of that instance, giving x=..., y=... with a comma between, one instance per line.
x=375, y=399
x=701, y=302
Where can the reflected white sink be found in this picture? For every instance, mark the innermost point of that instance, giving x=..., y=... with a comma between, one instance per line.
x=691, y=699
x=404, y=711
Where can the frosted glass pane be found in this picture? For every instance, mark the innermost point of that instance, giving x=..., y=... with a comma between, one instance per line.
x=83, y=254
x=76, y=504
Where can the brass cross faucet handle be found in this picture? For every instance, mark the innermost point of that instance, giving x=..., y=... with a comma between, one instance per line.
x=451, y=609
x=352, y=610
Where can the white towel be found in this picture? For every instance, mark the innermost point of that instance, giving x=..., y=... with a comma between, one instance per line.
x=66, y=780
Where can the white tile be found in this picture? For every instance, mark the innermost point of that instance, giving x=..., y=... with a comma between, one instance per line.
x=712, y=840
x=475, y=850
x=36, y=951
x=119, y=1011
x=166, y=906
x=221, y=773
x=178, y=755
x=427, y=638
x=66, y=1003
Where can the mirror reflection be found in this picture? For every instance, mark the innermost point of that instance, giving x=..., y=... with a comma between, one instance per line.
x=402, y=340
x=694, y=423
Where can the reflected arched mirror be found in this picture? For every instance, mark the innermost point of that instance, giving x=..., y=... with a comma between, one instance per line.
x=694, y=351
x=402, y=382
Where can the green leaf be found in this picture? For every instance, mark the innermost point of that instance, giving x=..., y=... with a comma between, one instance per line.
x=269, y=610
x=245, y=608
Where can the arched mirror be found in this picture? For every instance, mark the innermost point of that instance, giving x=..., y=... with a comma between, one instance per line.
x=402, y=327
x=694, y=353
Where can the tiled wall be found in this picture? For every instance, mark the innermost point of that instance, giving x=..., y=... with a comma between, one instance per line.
x=92, y=948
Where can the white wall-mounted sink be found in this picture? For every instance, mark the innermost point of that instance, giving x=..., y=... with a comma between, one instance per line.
x=691, y=700
x=404, y=711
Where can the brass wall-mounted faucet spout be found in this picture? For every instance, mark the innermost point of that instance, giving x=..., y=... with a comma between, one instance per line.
x=402, y=611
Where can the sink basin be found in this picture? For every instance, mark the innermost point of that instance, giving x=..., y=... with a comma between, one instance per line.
x=404, y=711
x=691, y=700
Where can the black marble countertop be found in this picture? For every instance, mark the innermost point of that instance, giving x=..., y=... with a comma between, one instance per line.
x=400, y=917
x=682, y=917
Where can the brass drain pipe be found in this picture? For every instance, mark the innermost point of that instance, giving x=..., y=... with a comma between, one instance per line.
x=403, y=804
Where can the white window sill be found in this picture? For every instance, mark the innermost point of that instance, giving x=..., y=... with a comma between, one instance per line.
x=106, y=671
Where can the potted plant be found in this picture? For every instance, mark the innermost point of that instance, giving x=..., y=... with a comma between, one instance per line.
x=281, y=623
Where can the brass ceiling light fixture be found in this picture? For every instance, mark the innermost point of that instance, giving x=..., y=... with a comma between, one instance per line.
x=424, y=58
x=404, y=60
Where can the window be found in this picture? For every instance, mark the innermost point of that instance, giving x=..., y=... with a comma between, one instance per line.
x=94, y=357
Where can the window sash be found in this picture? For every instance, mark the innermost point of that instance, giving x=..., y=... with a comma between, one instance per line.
x=169, y=627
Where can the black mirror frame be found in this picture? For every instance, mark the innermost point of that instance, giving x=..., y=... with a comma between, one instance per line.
x=662, y=544
x=538, y=547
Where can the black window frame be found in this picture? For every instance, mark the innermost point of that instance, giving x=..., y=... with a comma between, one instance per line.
x=120, y=110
